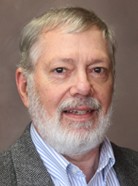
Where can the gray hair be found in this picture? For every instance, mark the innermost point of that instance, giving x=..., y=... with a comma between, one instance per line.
x=73, y=19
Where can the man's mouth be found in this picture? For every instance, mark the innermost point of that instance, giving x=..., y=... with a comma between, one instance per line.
x=80, y=114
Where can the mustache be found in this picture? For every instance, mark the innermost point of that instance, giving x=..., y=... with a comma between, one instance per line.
x=90, y=102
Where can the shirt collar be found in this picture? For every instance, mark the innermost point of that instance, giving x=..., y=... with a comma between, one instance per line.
x=55, y=163
x=107, y=159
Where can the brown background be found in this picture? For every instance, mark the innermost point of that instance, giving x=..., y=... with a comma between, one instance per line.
x=123, y=18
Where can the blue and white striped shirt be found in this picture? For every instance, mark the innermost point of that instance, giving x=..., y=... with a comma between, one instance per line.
x=64, y=173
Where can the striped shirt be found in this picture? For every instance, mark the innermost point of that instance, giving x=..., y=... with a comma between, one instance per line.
x=64, y=173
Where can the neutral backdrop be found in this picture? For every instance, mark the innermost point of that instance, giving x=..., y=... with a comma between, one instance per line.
x=122, y=16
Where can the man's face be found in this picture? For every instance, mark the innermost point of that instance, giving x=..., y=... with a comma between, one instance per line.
x=72, y=69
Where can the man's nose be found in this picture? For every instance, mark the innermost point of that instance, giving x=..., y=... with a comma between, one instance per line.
x=81, y=85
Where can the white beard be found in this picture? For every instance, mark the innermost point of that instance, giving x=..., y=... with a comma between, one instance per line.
x=66, y=139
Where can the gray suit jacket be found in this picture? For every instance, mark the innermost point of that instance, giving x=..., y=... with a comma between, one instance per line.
x=21, y=165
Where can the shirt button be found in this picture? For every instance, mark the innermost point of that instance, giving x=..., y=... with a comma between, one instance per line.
x=74, y=170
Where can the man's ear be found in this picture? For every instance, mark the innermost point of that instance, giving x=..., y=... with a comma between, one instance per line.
x=21, y=83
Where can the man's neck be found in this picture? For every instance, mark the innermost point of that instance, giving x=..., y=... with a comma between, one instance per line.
x=87, y=162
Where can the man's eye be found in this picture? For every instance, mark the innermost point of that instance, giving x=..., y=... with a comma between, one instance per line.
x=99, y=70
x=60, y=70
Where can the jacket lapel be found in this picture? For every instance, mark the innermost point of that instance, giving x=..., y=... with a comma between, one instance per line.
x=29, y=168
x=125, y=166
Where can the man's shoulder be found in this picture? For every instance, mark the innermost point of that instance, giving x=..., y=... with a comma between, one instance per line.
x=126, y=165
x=21, y=163
x=5, y=158
x=7, y=173
x=7, y=162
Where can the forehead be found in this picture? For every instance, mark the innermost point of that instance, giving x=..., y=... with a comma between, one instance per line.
x=60, y=43
x=61, y=33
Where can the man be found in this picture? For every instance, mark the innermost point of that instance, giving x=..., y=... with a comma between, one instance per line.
x=66, y=80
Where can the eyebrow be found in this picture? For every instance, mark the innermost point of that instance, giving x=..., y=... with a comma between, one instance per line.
x=72, y=61
x=100, y=60
x=65, y=60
